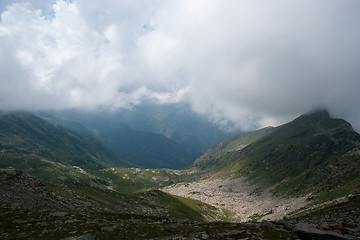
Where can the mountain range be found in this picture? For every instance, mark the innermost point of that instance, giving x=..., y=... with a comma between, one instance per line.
x=150, y=136
x=298, y=180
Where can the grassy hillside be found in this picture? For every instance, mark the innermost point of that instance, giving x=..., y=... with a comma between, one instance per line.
x=312, y=154
x=122, y=180
x=25, y=134
x=22, y=191
x=33, y=210
x=223, y=154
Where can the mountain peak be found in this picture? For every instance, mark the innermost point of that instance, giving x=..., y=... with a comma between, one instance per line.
x=318, y=113
x=312, y=116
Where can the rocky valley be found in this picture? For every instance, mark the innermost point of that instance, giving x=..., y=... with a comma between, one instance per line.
x=300, y=180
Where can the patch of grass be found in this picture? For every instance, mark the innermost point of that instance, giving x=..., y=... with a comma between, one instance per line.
x=194, y=193
x=52, y=172
x=228, y=216
x=258, y=216
x=134, y=180
x=206, y=211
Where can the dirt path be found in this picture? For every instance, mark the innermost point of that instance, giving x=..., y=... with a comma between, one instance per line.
x=239, y=197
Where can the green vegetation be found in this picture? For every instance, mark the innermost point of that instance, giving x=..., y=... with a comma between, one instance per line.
x=229, y=216
x=258, y=216
x=53, y=172
x=123, y=180
x=312, y=154
x=206, y=211
x=222, y=156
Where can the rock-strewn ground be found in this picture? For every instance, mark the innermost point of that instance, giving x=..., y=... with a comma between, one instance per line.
x=239, y=197
x=29, y=210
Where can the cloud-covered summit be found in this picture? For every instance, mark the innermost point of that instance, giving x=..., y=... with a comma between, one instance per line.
x=254, y=62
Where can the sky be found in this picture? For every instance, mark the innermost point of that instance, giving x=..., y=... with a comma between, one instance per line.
x=250, y=62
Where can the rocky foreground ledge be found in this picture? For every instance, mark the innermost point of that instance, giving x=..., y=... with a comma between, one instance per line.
x=25, y=224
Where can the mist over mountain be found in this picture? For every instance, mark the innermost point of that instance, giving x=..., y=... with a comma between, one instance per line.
x=151, y=135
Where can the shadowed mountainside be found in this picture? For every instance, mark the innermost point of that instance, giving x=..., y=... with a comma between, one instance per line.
x=151, y=136
x=25, y=134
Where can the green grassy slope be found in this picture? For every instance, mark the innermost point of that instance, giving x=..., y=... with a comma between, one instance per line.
x=110, y=190
x=223, y=154
x=17, y=189
x=314, y=153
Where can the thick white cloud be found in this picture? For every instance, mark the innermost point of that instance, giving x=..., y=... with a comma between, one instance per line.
x=248, y=62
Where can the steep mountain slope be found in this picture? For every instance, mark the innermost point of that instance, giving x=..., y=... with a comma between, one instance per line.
x=221, y=155
x=24, y=134
x=145, y=149
x=151, y=136
x=141, y=148
x=175, y=121
x=313, y=153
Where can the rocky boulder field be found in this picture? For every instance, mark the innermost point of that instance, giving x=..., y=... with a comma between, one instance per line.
x=239, y=200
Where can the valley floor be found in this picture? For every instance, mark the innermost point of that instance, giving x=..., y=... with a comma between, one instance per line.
x=239, y=201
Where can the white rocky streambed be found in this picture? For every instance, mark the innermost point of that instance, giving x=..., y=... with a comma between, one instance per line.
x=239, y=197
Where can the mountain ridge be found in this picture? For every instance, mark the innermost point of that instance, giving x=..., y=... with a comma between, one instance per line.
x=151, y=136
x=25, y=133
x=295, y=156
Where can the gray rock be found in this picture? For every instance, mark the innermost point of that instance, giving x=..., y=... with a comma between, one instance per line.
x=108, y=229
x=58, y=214
x=205, y=236
x=83, y=237
x=87, y=237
